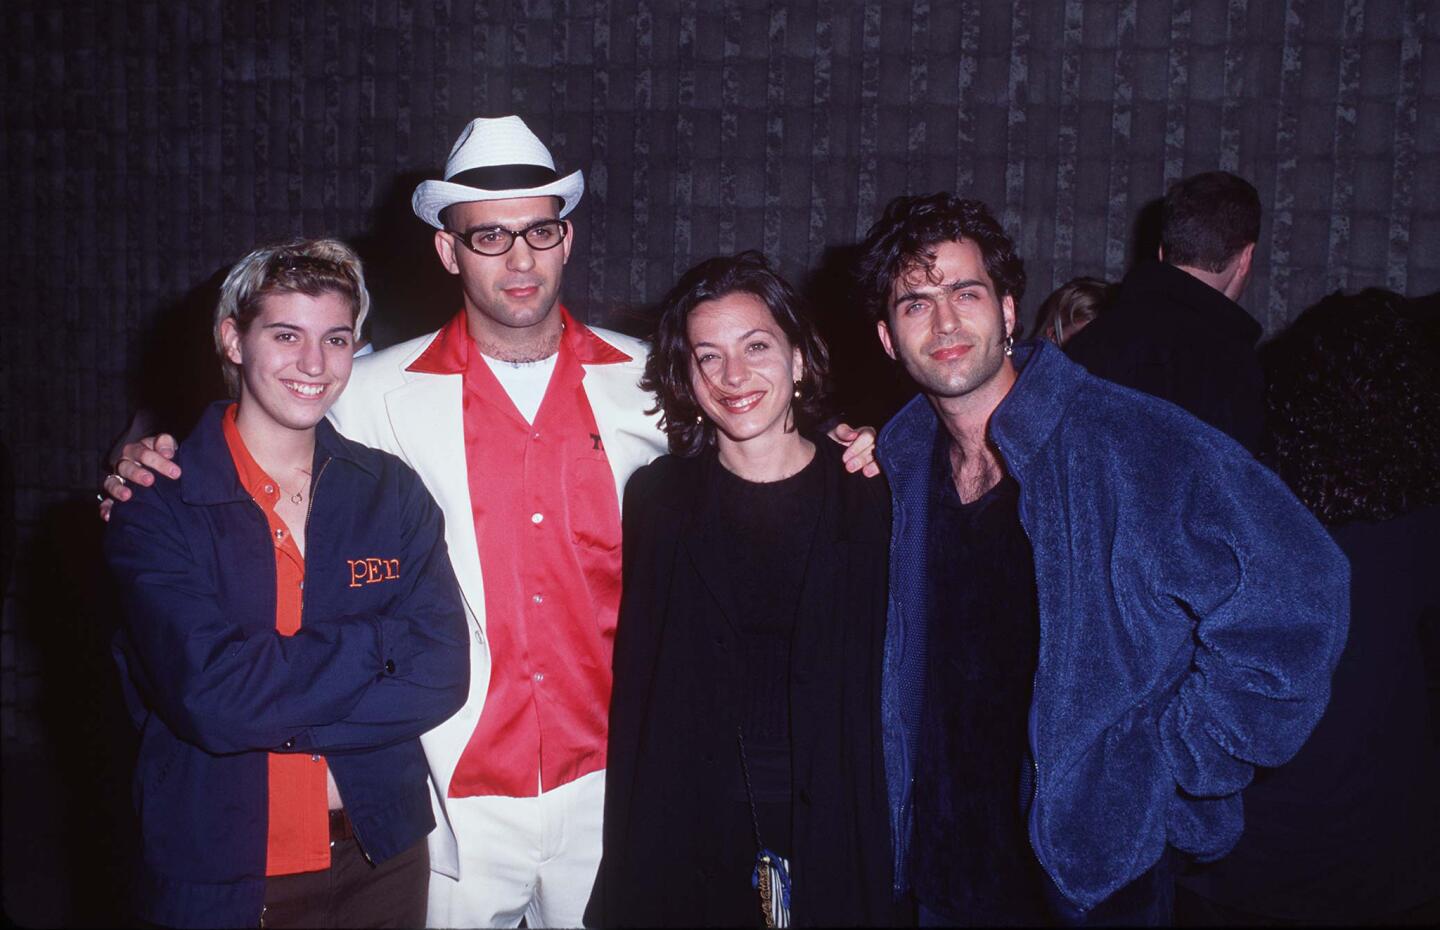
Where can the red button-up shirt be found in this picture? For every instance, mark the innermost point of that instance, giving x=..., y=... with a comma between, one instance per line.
x=547, y=524
x=299, y=819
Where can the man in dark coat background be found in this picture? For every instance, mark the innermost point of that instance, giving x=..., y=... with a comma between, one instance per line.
x=1175, y=330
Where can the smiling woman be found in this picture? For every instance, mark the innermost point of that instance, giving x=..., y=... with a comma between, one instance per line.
x=745, y=785
x=243, y=678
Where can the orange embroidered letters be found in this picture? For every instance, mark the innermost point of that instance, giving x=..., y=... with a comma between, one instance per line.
x=372, y=570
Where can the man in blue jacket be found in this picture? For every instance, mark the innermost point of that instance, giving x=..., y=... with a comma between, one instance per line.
x=1103, y=613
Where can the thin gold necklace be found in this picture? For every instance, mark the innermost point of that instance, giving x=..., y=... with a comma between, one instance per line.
x=299, y=496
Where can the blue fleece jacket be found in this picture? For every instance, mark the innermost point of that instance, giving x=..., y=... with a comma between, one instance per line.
x=1191, y=613
x=381, y=656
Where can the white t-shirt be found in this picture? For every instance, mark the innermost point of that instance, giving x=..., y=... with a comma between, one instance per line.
x=525, y=382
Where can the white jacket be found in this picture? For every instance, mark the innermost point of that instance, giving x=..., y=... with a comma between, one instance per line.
x=419, y=417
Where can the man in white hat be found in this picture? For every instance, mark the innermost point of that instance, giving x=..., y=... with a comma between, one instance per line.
x=524, y=424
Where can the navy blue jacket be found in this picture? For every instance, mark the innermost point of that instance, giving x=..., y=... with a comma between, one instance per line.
x=1191, y=614
x=381, y=657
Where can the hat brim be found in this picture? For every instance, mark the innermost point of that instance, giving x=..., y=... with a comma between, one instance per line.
x=433, y=196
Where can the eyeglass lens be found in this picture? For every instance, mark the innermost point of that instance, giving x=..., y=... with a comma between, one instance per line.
x=497, y=240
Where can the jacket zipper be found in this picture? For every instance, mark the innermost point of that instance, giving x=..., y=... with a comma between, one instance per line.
x=1033, y=813
x=1034, y=686
x=314, y=486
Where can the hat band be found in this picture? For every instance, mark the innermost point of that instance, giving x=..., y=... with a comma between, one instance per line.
x=506, y=177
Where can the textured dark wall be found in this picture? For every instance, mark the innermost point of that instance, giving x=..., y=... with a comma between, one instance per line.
x=146, y=145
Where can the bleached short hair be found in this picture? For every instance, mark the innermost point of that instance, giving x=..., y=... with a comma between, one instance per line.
x=302, y=266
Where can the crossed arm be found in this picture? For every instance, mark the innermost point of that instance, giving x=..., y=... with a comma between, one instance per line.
x=353, y=682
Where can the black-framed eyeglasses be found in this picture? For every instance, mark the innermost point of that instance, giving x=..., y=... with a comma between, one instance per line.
x=497, y=240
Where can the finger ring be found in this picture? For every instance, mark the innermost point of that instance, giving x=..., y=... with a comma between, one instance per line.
x=116, y=475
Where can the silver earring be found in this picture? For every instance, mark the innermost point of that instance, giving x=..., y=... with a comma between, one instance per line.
x=797, y=390
x=1009, y=345
x=699, y=419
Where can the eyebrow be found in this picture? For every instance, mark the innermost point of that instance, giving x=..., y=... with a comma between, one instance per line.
x=916, y=293
x=759, y=329
x=299, y=329
x=523, y=224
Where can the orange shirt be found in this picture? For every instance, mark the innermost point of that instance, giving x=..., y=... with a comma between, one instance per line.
x=299, y=824
x=547, y=523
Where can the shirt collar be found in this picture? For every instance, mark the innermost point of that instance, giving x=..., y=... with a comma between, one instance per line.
x=449, y=352
x=253, y=478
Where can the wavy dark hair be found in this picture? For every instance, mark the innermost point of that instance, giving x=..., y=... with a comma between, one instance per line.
x=910, y=229
x=1353, y=408
x=667, y=370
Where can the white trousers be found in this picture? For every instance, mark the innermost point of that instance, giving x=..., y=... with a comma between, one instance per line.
x=522, y=857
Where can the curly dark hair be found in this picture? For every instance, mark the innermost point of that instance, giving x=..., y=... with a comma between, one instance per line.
x=910, y=229
x=667, y=370
x=1353, y=408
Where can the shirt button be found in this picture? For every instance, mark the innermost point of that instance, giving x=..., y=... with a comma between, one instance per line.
x=538, y=598
x=288, y=744
x=537, y=518
x=279, y=534
x=389, y=666
x=534, y=435
x=539, y=677
x=269, y=489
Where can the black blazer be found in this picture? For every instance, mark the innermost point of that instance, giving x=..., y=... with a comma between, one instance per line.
x=672, y=746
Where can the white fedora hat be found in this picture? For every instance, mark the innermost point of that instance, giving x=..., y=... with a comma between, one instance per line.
x=496, y=159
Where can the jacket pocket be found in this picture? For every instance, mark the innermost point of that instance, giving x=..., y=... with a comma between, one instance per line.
x=1102, y=819
x=159, y=750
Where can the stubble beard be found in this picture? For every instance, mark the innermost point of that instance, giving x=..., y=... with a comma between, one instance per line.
x=508, y=338
x=942, y=381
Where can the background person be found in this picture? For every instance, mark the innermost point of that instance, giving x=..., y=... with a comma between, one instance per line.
x=745, y=710
x=280, y=778
x=1176, y=329
x=1071, y=307
x=1348, y=831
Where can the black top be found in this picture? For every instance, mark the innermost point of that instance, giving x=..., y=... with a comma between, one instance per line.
x=678, y=842
x=1348, y=831
x=1171, y=335
x=971, y=858
x=765, y=531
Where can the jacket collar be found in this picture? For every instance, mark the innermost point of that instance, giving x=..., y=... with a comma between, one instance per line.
x=1022, y=423
x=1183, y=293
x=1048, y=381
x=207, y=472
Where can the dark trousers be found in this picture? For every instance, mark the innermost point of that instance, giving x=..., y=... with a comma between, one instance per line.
x=1193, y=910
x=352, y=892
x=1148, y=901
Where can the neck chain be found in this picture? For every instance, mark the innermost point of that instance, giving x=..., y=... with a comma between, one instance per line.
x=299, y=496
x=519, y=358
